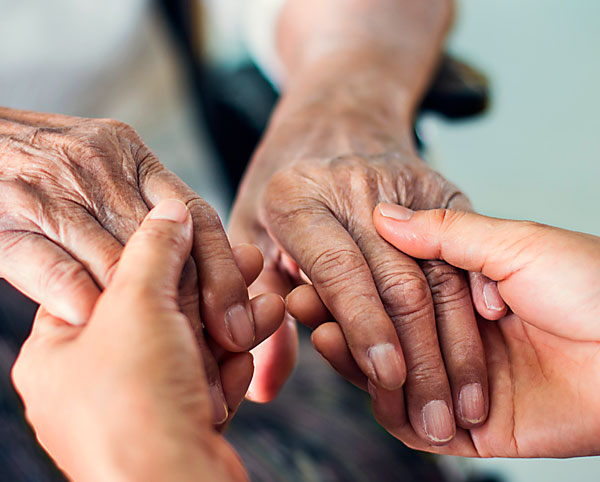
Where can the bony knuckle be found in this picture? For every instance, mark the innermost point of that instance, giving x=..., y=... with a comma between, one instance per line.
x=62, y=275
x=445, y=281
x=405, y=294
x=333, y=266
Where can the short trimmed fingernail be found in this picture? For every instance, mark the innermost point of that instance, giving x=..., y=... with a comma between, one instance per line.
x=240, y=326
x=170, y=210
x=471, y=403
x=395, y=211
x=491, y=297
x=220, y=410
x=437, y=421
x=387, y=365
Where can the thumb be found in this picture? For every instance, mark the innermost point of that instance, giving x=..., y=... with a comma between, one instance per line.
x=153, y=259
x=466, y=240
x=547, y=276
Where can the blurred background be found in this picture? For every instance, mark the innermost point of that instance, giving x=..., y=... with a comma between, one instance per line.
x=187, y=76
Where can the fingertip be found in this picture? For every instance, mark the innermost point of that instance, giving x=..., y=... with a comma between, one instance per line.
x=170, y=210
x=250, y=261
x=486, y=296
x=269, y=312
x=305, y=305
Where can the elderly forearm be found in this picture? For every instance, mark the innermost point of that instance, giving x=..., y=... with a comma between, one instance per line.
x=406, y=34
x=355, y=72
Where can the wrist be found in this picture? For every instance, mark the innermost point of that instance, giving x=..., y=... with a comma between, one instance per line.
x=341, y=105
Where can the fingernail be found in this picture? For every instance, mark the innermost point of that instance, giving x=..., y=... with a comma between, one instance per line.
x=491, y=297
x=395, y=211
x=170, y=210
x=240, y=326
x=387, y=365
x=437, y=421
x=471, y=403
x=220, y=411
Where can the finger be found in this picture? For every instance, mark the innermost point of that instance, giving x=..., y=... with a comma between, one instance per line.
x=460, y=342
x=484, y=292
x=275, y=358
x=236, y=373
x=486, y=297
x=189, y=304
x=152, y=261
x=390, y=412
x=225, y=306
x=465, y=240
x=249, y=260
x=47, y=274
x=304, y=304
x=274, y=361
x=90, y=243
x=408, y=301
x=335, y=265
x=269, y=310
x=329, y=341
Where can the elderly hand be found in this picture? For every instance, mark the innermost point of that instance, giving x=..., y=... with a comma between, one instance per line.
x=339, y=143
x=126, y=397
x=390, y=309
x=74, y=191
x=543, y=363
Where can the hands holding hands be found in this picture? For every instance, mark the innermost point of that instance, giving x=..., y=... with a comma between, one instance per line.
x=542, y=357
x=126, y=397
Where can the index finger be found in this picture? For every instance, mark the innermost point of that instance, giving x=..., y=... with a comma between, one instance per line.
x=329, y=256
x=225, y=306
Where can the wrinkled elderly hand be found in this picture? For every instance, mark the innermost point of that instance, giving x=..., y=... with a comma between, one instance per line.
x=543, y=362
x=398, y=317
x=73, y=192
x=125, y=397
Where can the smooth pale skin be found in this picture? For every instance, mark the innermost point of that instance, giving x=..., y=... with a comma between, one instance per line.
x=341, y=141
x=126, y=396
x=542, y=359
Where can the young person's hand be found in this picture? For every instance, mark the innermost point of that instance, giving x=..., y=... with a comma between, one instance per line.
x=126, y=396
x=543, y=358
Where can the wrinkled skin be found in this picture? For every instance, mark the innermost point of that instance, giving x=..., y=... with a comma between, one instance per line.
x=317, y=213
x=543, y=358
x=74, y=191
x=125, y=397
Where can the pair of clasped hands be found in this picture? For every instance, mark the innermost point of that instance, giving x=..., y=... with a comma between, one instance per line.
x=127, y=393
x=139, y=352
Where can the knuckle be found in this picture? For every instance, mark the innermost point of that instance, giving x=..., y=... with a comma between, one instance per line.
x=63, y=274
x=447, y=283
x=405, y=295
x=335, y=266
x=427, y=368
